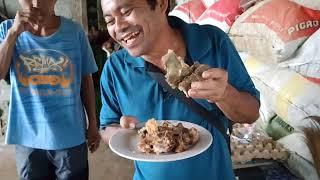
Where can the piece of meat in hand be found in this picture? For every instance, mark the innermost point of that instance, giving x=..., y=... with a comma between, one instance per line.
x=179, y=74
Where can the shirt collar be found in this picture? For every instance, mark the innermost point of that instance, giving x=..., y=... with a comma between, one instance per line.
x=196, y=39
x=136, y=62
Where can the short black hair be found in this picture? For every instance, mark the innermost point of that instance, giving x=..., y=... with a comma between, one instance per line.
x=153, y=3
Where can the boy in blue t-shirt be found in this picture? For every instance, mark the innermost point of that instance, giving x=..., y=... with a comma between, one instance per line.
x=50, y=64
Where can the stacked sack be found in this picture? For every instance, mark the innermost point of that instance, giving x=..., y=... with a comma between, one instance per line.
x=278, y=41
x=274, y=29
x=220, y=13
x=286, y=92
x=189, y=11
x=306, y=61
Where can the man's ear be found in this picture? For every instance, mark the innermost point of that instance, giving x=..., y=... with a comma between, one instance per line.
x=163, y=5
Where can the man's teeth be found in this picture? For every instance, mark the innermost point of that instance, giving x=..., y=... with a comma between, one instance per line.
x=131, y=36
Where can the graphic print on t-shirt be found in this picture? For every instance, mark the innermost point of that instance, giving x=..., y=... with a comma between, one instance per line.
x=44, y=72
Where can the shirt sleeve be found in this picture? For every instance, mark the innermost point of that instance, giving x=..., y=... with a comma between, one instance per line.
x=88, y=64
x=110, y=111
x=4, y=27
x=237, y=73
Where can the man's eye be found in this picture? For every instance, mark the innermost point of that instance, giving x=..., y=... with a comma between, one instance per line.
x=127, y=12
x=109, y=21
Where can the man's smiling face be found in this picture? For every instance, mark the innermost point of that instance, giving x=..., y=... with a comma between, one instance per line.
x=133, y=24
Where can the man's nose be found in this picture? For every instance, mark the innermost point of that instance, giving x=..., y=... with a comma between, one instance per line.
x=121, y=25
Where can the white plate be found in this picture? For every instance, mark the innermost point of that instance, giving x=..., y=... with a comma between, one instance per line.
x=124, y=143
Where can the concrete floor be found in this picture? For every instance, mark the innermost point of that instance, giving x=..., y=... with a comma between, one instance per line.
x=104, y=164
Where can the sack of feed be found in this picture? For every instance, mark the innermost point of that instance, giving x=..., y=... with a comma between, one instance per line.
x=274, y=36
x=285, y=92
x=221, y=14
x=306, y=61
x=189, y=11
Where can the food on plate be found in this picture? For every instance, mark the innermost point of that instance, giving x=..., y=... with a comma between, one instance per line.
x=179, y=74
x=166, y=137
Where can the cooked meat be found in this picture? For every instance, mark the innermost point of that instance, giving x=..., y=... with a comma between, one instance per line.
x=200, y=68
x=154, y=138
x=185, y=85
x=176, y=69
x=179, y=74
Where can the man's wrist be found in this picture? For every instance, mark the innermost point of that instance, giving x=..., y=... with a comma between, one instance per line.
x=224, y=96
x=227, y=92
x=12, y=33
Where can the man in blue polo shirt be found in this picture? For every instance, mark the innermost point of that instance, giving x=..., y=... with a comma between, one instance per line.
x=129, y=94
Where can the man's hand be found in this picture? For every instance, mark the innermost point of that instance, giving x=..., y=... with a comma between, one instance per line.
x=238, y=106
x=128, y=122
x=93, y=138
x=213, y=88
x=26, y=20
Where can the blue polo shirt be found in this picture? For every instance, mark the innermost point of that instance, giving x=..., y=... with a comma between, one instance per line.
x=127, y=89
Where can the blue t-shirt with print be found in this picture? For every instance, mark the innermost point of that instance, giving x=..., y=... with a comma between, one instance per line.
x=127, y=89
x=46, y=110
